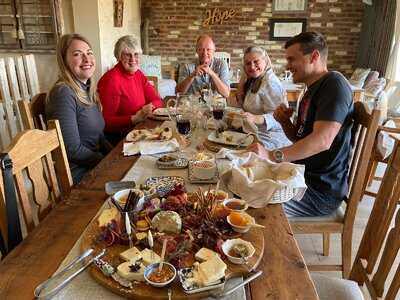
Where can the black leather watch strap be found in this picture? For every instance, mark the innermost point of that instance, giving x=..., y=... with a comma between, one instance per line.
x=13, y=223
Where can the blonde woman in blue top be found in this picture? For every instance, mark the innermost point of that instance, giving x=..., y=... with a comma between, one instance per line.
x=260, y=93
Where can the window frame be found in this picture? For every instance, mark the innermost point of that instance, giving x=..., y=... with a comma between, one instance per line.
x=20, y=46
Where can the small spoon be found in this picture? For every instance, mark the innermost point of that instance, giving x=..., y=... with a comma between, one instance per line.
x=164, y=246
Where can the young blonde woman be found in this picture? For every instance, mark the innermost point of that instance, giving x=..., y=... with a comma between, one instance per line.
x=260, y=93
x=72, y=100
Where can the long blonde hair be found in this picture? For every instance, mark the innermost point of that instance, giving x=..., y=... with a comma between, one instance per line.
x=67, y=77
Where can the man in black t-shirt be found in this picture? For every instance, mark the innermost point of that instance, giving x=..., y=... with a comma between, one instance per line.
x=321, y=136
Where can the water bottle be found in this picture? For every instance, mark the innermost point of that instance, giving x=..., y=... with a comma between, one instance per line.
x=238, y=75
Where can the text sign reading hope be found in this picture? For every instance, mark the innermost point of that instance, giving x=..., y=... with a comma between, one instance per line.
x=216, y=16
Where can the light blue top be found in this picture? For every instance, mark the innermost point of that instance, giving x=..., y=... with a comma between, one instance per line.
x=218, y=65
x=270, y=95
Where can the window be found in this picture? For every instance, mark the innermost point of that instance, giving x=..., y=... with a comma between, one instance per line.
x=29, y=24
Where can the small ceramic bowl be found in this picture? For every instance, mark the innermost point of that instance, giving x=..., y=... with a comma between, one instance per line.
x=204, y=169
x=153, y=268
x=203, y=156
x=122, y=196
x=235, y=204
x=227, y=249
x=241, y=228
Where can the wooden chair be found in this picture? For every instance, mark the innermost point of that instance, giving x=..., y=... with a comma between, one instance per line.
x=27, y=151
x=365, y=127
x=154, y=81
x=378, y=249
x=33, y=113
x=377, y=157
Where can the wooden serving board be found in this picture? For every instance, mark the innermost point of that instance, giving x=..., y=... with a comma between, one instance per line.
x=143, y=291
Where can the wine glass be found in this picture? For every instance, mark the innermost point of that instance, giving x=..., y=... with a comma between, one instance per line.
x=218, y=109
x=183, y=123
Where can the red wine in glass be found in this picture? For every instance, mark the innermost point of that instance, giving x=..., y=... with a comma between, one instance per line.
x=183, y=126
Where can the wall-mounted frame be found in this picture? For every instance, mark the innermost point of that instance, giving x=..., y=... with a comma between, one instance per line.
x=284, y=29
x=289, y=6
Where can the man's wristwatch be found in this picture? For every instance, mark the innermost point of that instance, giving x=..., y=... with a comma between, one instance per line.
x=278, y=155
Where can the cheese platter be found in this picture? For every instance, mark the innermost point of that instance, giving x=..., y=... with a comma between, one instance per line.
x=194, y=228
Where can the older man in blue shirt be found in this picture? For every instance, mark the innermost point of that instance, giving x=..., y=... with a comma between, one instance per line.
x=207, y=71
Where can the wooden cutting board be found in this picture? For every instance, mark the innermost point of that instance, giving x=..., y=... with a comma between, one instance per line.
x=143, y=291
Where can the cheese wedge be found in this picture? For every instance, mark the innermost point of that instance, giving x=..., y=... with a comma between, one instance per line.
x=107, y=216
x=205, y=254
x=125, y=271
x=149, y=257
x=212, y=270
x=132, y=254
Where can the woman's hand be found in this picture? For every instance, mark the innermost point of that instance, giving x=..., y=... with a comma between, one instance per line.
x=256, y=119
x=142, y=114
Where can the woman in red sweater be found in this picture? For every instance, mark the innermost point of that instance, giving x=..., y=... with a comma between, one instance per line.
x=127, y=96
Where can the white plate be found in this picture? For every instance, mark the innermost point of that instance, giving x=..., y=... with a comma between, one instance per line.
x=231, y=138
x=163, y=111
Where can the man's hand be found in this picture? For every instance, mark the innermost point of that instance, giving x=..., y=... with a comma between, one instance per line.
x=256, y=119
x=259, y=149
x=283, y=114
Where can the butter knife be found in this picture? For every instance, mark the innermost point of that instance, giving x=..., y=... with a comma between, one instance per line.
x=128, y=229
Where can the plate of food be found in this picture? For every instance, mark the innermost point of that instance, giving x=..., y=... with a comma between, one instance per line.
x=156, y=134
x=231, y=138
x=169, y=161
x=162, y=185
x=193, y=227
x=164, y=111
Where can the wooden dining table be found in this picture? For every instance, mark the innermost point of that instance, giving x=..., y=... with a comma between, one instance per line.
x=285, y=274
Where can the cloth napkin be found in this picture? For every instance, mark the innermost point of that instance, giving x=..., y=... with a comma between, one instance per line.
x=150, y=147
x=256, y=180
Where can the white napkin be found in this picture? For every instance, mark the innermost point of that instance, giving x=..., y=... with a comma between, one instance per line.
x=256, y=180
x=150, y=147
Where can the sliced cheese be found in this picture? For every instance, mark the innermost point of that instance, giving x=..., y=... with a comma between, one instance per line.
x=212, y=270
x=149, y=257
x=132, y=254
x=107, y=216
x=205, y=254
x=125, y=271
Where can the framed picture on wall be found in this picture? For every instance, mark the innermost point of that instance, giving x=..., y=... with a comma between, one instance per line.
x=289, y=6
x=284, y=29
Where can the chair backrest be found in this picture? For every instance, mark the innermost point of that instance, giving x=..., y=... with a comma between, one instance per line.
x=366, y=268
x=154, y=81
x=32, y=153
x=364, y=131
x=151, y=65
x=33, y=113
x=224, y=56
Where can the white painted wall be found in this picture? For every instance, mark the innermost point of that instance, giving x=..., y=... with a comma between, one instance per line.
x=86, y=23
x=110, y=34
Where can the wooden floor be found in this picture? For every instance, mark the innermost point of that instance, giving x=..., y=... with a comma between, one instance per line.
x=311, y=245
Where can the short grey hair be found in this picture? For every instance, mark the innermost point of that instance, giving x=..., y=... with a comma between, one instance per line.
x=260, y=51
x=127, y=41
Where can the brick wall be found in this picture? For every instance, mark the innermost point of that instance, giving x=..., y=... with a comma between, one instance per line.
x=175, y=25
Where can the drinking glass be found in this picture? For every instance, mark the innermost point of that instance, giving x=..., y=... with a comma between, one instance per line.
x=183, y=123
x=218, y=109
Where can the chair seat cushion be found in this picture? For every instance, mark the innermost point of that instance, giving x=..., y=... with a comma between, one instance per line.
x=336, y=216
x=166, y=87
x=329, y=288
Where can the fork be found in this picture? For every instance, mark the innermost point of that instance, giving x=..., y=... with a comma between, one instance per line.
x=240, y=142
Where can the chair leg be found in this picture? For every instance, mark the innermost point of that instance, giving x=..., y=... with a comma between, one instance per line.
x=346, y=255
x=325, y=243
